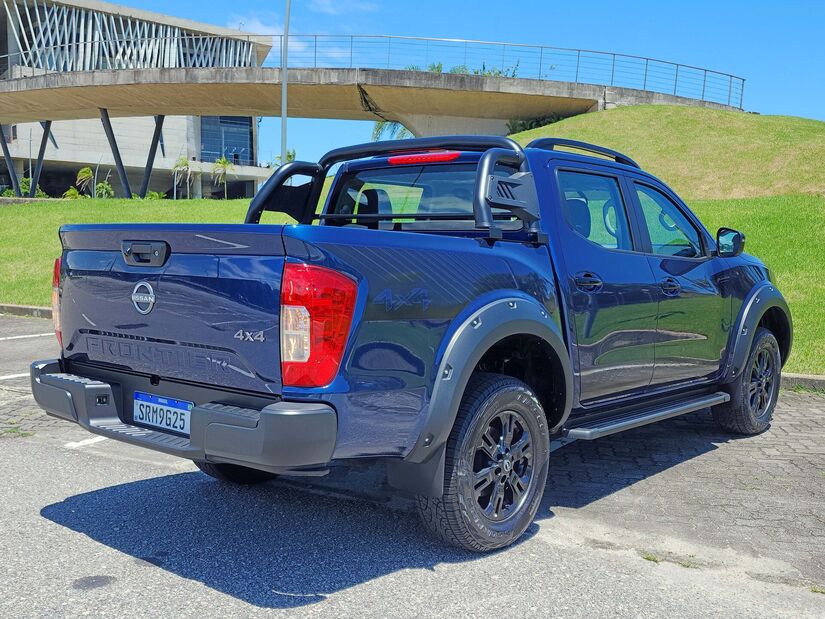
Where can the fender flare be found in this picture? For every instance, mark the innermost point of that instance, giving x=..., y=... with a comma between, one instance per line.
x=758, y=302
x=422, y=470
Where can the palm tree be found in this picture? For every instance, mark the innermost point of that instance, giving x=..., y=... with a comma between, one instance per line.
x=85, y=179
x=391, y=129
x=221, y=170
x=182, y=171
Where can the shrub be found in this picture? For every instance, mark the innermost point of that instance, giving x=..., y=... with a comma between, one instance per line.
x=518, y=125
x=25, y=187
x=73, y=194
x=104, y=189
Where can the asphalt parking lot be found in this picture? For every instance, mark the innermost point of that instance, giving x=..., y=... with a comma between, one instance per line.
x=673, y=519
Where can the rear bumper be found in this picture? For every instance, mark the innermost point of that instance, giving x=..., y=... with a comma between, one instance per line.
x=281, y=437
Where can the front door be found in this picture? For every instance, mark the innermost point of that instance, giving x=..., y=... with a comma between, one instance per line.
x=611, y=293
x=694, y=314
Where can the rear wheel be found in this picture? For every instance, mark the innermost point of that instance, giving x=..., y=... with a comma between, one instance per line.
x=755, y=393
x=234, y=473
x=496, y=467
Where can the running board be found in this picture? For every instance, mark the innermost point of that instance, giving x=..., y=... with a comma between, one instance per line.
x=604, y=427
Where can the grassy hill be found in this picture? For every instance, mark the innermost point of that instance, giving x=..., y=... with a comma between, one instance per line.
x=708, y=154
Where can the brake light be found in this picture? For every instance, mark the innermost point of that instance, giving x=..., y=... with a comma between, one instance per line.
x=56, y=301
x=436, y=157
x=317, y=305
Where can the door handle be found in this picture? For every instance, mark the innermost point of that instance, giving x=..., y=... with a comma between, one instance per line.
x=670, y=286
x=588, y=282
x=145, y=253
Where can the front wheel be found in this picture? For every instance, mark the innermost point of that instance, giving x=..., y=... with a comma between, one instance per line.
x=756, y=391
x=234, y=474
x=496, y=467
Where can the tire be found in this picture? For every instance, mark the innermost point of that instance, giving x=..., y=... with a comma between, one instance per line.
x=234, y=473
x=467, y=515
x=754, y=394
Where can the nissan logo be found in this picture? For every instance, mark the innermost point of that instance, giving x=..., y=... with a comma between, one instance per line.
x=143, y=298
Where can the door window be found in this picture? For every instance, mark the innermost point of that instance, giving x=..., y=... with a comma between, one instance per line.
x=671, y=234
x=593, y=208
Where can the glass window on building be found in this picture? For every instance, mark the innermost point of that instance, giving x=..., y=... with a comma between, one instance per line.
x=227, y=135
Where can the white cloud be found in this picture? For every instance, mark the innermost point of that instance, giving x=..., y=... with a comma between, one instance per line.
x=340, y=7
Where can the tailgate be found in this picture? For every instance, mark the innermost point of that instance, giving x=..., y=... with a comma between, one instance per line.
x=198, y=303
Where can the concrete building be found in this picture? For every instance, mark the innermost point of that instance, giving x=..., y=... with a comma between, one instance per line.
x=41, y=37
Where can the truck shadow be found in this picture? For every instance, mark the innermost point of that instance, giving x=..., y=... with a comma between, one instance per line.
x=279, y=546
x=586, y=471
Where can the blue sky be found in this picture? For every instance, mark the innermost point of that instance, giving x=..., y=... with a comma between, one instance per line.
x=776, y=46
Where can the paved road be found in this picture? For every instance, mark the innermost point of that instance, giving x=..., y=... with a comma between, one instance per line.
x=675, y=519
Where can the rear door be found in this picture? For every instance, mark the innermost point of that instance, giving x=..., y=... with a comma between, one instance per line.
x=610, y=289
x=694, y=313
x=205, y=309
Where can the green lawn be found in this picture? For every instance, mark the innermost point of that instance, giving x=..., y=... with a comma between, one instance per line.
x=786, y=232
x=29, y=242
x=707, y=154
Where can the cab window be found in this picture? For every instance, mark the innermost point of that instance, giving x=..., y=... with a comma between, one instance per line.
x=593, y=208
x=671, y=234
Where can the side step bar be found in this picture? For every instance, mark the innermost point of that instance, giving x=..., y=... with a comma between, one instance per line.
x=603, y=427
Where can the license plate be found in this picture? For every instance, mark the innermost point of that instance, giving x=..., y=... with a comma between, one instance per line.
x=163, y=413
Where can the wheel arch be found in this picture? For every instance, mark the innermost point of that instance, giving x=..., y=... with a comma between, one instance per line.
x=499, y=325
x=764, y=307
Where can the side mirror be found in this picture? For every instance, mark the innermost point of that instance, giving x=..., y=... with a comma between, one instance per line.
x=729, y=243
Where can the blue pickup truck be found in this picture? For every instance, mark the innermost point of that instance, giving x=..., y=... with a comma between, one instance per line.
x=448, y=306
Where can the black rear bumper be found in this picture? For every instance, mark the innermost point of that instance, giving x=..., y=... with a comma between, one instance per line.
x=282, y=436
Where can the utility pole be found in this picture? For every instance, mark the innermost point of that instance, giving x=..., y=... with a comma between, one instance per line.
x=284, y=80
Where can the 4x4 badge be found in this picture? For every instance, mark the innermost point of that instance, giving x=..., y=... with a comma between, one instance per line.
x=143, y=298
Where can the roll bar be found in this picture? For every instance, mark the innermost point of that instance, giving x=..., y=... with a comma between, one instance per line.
x=297, y=201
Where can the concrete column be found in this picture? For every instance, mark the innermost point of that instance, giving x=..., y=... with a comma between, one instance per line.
x=197, y=186
x=425, y=126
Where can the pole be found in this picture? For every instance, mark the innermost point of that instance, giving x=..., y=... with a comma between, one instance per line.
x=153, y=151
x=110, y=135
x=38, y=170
x=284, y=81
x=15, y=183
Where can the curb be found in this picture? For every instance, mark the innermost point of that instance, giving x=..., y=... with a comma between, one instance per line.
x=789, y=381
x=26, y=310
x=805, y=381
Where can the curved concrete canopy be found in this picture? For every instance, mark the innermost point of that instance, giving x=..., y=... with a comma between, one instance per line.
x=427, y=103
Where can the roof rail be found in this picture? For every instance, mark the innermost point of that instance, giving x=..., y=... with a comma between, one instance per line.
x=551, y=143
x=477, y=143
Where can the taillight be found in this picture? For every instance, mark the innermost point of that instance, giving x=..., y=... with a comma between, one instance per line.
x=56, y=301
x=317, y=305
x=432, y=157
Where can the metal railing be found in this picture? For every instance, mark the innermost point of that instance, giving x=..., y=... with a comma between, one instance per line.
x=511, y=60
x=394, y=52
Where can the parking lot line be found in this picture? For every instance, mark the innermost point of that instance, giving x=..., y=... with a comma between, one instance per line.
x=13, y=376
x=85, y=443
x=25, y=337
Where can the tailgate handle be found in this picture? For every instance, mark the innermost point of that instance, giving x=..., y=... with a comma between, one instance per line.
x=145, y=253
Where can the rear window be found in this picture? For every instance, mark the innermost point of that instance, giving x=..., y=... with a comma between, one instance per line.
x=410, y=190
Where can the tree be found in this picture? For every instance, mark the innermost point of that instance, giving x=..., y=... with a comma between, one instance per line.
x=183, y=172
x=290, y=156
x=85, y=179
x=221, y=170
